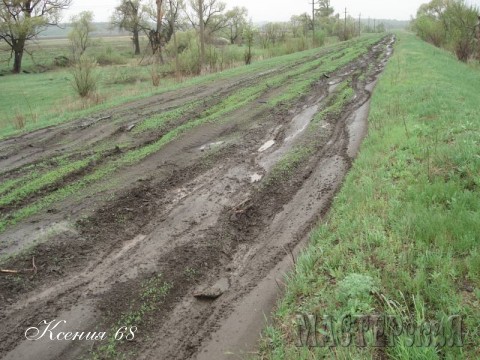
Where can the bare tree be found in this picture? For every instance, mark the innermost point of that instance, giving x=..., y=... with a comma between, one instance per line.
x=274, y=32
x=131, y=15
x=295, y=24
x=23, y=20
x=212, y=14
x=80, y=35
x=172, y=19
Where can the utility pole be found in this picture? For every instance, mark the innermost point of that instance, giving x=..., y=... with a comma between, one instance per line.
x=359, y=24
x=374, y=25
x=345, y=26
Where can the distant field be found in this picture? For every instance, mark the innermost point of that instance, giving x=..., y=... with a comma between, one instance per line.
x=45, y=50
x=101, y=29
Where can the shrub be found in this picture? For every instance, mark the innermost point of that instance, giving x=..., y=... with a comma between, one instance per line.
x=125, y=75
x=19, y=121
x=320, y=37
x=84, y=76
x=430, y=30
x=189, y=61
x=61, y=61
x=110, y=57
x=450, y=24
x=461, y=20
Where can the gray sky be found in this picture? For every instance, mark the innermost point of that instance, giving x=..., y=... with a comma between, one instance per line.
x=275, y=10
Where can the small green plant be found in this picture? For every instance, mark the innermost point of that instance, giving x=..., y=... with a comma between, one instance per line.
x=190, y=273
x=355, y=291
x=85, y=78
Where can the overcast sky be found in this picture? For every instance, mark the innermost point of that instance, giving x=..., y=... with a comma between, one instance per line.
x=281, y=10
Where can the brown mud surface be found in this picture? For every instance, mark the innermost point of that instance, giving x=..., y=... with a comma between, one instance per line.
x=187, y=243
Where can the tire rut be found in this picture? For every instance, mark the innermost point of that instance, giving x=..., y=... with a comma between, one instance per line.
x=205, y=216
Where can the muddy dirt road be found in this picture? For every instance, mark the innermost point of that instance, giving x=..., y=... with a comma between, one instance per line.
x=174, y=216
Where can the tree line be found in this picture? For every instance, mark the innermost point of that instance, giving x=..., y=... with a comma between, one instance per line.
x=160, y=20
x=451, y=24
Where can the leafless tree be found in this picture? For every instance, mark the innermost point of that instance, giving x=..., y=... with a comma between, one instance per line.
x=212, y=13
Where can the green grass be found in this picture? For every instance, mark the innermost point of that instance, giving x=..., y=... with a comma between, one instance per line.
x=402, y=236
x=39, y=182
x=164, y=118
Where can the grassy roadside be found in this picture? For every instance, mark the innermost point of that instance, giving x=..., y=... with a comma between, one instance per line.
x=402, y=236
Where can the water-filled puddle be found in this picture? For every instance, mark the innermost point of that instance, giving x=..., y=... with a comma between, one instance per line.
x=267, y=145
x=255, y=178
x=300, y=122
x=211, y=145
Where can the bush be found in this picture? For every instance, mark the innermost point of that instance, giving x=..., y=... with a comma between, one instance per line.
x=450, y=24
x=320, y=37
x=109, y=57
x=188, y=53
x=125, y=75
x=84, y=76
x=189, y=61
x=19, y=121
x=430, y=30
x=461, y=20
x=61, y=61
